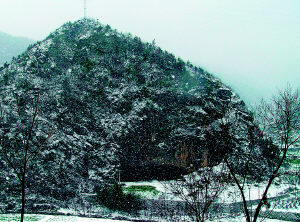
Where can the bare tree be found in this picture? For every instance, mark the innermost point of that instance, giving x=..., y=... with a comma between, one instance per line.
x=199, y=190
x=279, y=120
x=20, y=150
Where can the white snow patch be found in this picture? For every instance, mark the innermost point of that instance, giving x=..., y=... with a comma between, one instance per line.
x=291, y=210
x=86, y=35
x=232, y=194
x=46, y=218
x=239, y=219
x=45, y=45
x=75, y=219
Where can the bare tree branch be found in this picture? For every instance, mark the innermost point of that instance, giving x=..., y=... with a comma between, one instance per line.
x=19, y=163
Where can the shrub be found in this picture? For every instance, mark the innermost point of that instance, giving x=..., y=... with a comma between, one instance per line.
x=113, y=197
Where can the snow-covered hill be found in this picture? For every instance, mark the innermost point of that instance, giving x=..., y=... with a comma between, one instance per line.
x=118, y=107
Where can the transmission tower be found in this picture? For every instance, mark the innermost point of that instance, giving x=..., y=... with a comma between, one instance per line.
x=84, y=9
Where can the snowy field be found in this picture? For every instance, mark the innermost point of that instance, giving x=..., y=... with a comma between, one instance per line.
x=286, y=203
x=75, y=219
x=253, y=192
x=229, y=195
x=242, y=219
x=51, y=218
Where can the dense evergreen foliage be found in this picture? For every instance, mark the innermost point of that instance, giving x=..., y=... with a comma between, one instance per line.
x=117, y=104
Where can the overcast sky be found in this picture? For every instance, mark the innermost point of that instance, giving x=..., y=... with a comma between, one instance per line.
x=251, y=45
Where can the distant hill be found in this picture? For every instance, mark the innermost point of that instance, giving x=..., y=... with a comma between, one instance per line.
x=117, y=104
x=11, y=46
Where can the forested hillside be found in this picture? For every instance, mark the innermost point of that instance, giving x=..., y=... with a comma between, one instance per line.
x=115, y=104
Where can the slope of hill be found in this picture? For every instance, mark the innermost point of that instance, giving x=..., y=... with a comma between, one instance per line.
x=11, y=46
x=117, y=104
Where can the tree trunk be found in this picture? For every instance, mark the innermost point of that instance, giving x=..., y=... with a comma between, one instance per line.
x=23, y=187
x=273, y=176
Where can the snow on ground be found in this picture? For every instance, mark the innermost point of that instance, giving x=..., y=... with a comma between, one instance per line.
x=231, y=193
x=45, y=218
x=51, y=218
x=78, y=219
x=291, y=210
x=241, y=219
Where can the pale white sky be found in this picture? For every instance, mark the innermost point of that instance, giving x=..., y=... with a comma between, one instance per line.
x=252, y=45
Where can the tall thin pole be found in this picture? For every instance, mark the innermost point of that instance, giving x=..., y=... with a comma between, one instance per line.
x=84, y=8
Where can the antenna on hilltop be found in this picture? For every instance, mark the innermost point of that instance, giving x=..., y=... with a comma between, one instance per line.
x=84, y=16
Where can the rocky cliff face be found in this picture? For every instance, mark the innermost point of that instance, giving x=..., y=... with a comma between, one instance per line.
x=117, y=104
